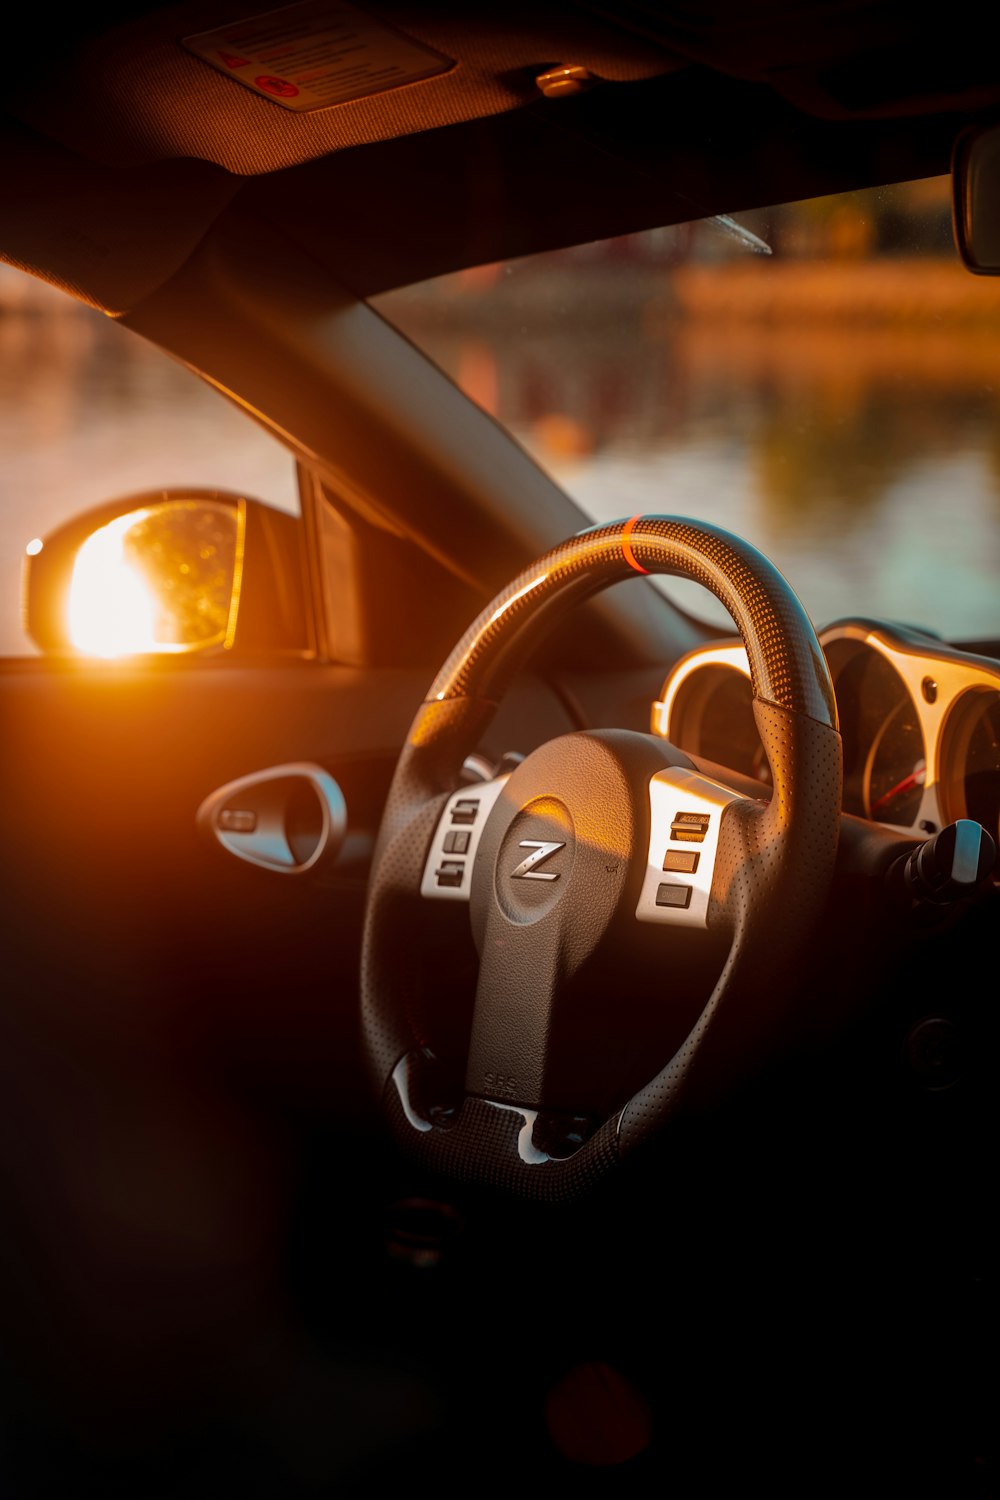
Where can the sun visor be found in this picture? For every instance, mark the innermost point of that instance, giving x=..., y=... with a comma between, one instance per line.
x=254, y=89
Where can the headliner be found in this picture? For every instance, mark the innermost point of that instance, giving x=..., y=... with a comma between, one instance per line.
x=122, y=147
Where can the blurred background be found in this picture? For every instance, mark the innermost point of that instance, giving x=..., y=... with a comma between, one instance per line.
x=820, y=378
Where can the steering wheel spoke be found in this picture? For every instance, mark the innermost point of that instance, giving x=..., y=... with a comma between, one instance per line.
x=685, y=822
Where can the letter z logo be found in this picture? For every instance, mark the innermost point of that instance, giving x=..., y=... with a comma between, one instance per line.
x=526, y=869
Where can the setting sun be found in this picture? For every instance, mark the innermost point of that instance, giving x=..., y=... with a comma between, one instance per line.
x=111, y=610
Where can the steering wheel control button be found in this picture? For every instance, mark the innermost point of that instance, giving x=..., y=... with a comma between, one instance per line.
x=673, y=895
x=446, y=878
x=684, y=808
x=689, y=828
x=681, y=861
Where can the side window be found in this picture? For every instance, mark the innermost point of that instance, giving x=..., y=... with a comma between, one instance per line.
x=90, y=412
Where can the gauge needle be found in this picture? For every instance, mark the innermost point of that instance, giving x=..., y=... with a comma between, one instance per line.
x=915, y=778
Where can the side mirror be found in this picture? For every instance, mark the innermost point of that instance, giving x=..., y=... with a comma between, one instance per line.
x=200, y=571
x=975, y=187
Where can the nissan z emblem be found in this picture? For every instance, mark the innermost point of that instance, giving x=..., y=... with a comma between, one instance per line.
x=542, y=850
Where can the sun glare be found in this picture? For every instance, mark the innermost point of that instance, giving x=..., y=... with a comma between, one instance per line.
x=111, y=611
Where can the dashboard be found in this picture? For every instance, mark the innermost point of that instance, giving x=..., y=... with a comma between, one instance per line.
x=919, y=719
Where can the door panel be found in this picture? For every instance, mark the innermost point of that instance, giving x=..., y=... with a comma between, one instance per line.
x=178, y=1026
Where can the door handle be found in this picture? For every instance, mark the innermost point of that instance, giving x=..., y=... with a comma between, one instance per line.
x=287, y=818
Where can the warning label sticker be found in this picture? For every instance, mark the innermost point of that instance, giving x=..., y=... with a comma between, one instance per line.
x=315, y=54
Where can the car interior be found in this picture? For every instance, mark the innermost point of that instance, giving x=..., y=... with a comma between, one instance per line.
x=363, y=1125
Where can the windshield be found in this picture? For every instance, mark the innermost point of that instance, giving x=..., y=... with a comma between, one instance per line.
x=820, y=378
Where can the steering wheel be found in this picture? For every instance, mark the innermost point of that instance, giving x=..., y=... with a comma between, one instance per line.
x=595, y=840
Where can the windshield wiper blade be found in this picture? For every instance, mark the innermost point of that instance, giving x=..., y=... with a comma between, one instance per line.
x=738, y=232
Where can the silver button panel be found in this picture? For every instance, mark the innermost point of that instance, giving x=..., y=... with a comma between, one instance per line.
x=448, y=870
x=685, y=816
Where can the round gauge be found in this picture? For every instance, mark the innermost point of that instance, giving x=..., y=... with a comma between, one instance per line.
x=712, y=716
x=896, y=769
x=971, y=758
x=884, y=756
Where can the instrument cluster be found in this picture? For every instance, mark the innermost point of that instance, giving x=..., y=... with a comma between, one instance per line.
x=919, y=719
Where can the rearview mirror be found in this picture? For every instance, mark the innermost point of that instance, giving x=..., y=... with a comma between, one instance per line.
x=166, y=574
x=975, y=183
